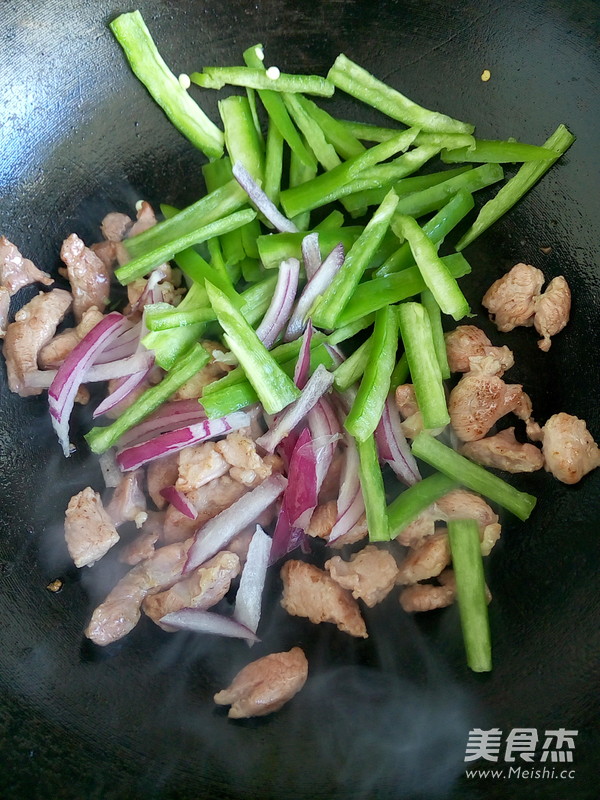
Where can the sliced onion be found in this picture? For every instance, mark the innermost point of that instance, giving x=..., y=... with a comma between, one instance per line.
x=124, y=345
x=168, y=443
x=124, y=389
x=248, y=599
x=69, y=376
x=260, y=199
x=220, y=530
x=169, y=417
x=179, y=501
x=311, y=254
x=285, y=538
x=319, y=382
x=152, y=293
x=110, y=469
x=300, y=497
x=350, y=503
x=302, y=368
x=323, y=422
x=392, y=445
x=335, y=353
x=198, y=621
x=122, y=368
x=281, y=305
x=313, y=289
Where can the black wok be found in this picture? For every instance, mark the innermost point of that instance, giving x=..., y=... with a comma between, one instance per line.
x=385, y=718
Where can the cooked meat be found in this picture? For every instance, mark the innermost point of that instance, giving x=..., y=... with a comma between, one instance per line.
x=145, y=218
x=330, y=488
x=161, y=474
x=533, y=431
x=54, y=353
x=311, y=592
x=111, y=254
x=121, y=610
x=511, y=299
x=370, y=574
x=193, y=388
x=265, y=685
x=114, y=226
x=199, y=465
x=552, y=309
x=523, y=409
x=16, y=271
x=247, y=466
x=89, y=531
x=4, y=309
x=491, y=534
x=478, y=401
x=120, y=407
x=203, y=588
x=138, y=294
x=486, y=365
x=142, y=547
x=426, y=561
x=462, y=504
x=569, y=450
x=241, y=542
x=503, y=451
x=420, y=528
x=128, y=503
x=35, y=324
x=467, y=341
x=406, y=401
x=427, y=596
x=356, y=533
x=89, y=277
x=322, y=520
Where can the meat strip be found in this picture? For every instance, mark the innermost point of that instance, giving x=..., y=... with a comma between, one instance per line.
x=467, y=341
x=511, y=299
x=89, y=531
x=552, y=310
x=503, y=451
x=89, y=277
x=370, y=574
x=16, y=271
x=570, y=451
x=54, y=353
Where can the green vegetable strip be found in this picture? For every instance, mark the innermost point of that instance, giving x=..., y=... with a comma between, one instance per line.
x=472, y=475
x=488, y=151
x=332, y=221
x=369, y=133
x=218, y=77
x=252, y=270
x=331, y=185
x=300, y=173
x=273, y=163
x=241, y=138
x=144, y=59
x=101, y=438
x=143, y=264
x=375, y=133
x=216, y=174
x=463, y=535
x=415, y=330
x=446, y=141
x=333, y=300
x=352, y=369
x=373, y=295
x=257, y=299
x=250, y=234
x=211, y=207
x=514, y=189
x=412, y=501
x=436, y=229
x=251, y=95
x=344, y=142
x=160, y=319
x=323, y=151
x=400, y=374
x=272, y=385
x=436, y=275
x=371, y=484
x=195, y=267
x=374, y=387
x=278, y=114
x=276, y=247
x=357, y=82
x=435, y=318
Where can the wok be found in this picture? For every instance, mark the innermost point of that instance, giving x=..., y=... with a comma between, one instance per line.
x=388, y=717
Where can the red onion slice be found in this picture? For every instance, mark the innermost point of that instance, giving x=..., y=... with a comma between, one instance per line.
x=392, y=445
x=69, y=376
x=350, y=504
x=315, y=287
x=179, y=501
x=302, y=368
x=319, y=382
x=281, y=305
x=169, y=417
x=124, y=389
x=220, y=530
x=260, y=199
x=124, y=345
x=248, y=599
x=285, y=538
x=174, y=441
x=112, y=370
x=311, y=254
x=323, y=422
x=197, y=621
x=301, y=494
x=335, y=353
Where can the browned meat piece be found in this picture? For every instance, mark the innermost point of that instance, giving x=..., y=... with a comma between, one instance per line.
x=533, y=431
x=552, y=309
x=427, y=561
x=511, y=299
x=330, y=488
x=211, y=372
x=406, y=401
x=142, y=547
x=524, y=408
x=199, y=465
x=265, y=685
x=128, y=503
x=311, y=592
x=89, y=278
x=111, y=254
x=462, y=504
x=114, y=226
x=467, y=341
x=247, y=467
x=35, y=324
x=203, y=588
x=569, y=450
x=54, y=353
x=16, y=271
x=161, y=474
x=427, y=596
x=503, y=451
x=89, y=531
x=370, y=574
x=421, y=528
x=322, y=520
x=491, y=534
x=4, y=309
x=121, y=610
x=241, y=542
x=209, y=500
x=145, y=218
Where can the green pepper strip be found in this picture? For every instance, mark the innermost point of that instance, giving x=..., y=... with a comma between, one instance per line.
x=272, y=385
x=415, y=330
x=488, y=151
x=323, y=151
x=344, y=142
x=241, y=138
x=274, y=248
x=412, y=501
x=435, y=318
x=231, y=246
x=351, y=370
x=373, y=492
x=300, y=173
x=472, y=475
x=159, y=319
x=332, y=221
x=357, y=82
x=375, y=133
x=514, y=189
x=273, y=163
x=101, y=438
x=218, y=77
x=400, y=373
x=374, y=387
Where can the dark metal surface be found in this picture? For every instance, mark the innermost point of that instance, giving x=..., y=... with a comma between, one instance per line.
x=387, y=717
